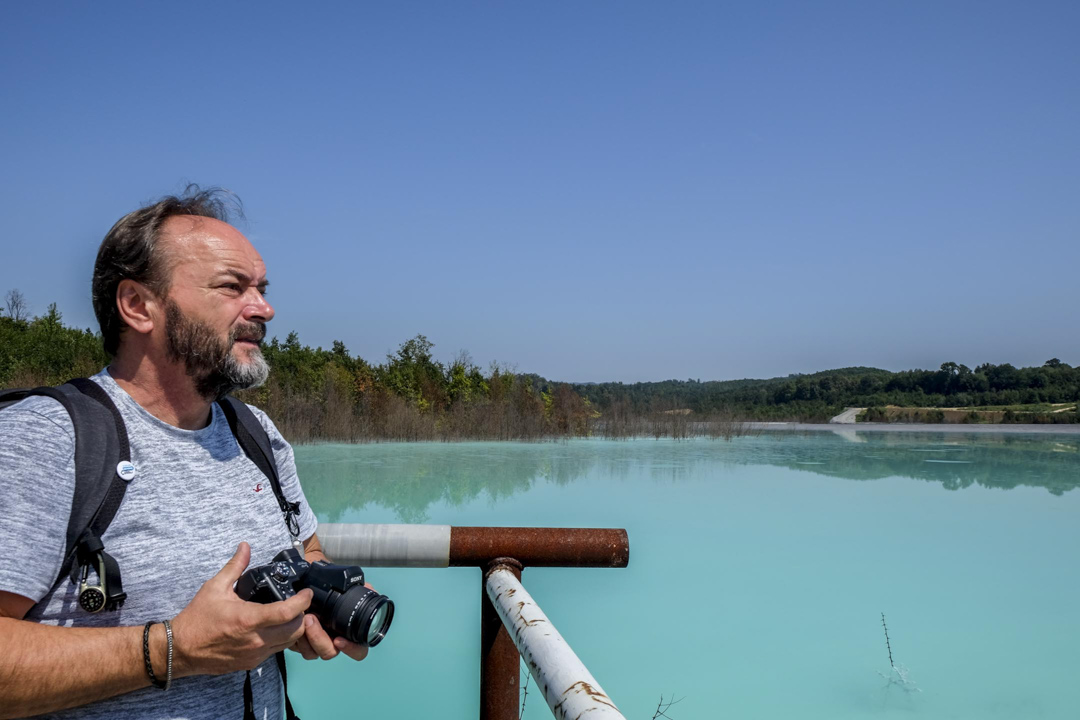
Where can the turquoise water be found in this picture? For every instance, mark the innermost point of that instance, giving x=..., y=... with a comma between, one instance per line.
x=759, y=569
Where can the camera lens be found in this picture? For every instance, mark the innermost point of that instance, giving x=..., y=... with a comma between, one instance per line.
x=360, y=615
x=379, y=623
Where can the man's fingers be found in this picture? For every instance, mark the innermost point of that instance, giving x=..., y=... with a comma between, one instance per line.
x=356, y=652
x=304, y=648
x=233, y=569
x=285, y=635
x=318, y=639
x=284, y=611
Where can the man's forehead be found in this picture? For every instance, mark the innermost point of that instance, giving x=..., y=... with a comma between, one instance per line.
x=210, y=244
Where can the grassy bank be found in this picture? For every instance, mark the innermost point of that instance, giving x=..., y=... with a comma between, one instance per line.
x=1035, y=414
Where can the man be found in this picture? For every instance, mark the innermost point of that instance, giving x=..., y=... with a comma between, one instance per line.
x=180, y=297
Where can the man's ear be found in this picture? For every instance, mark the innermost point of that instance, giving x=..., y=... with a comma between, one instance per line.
x=137, y=306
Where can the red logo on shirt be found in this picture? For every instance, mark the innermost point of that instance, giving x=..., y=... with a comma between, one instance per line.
x=258, y=487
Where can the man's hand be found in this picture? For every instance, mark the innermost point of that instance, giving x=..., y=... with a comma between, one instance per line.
x=219, y=633
x=316, y=643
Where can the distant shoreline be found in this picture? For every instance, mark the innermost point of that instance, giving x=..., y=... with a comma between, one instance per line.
x=847, y=430
x=956, y=428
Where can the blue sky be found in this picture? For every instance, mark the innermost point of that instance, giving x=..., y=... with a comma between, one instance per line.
x=589, y=191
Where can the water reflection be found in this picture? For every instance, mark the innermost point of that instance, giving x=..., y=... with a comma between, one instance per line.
x=955, y=461
x=409, y=478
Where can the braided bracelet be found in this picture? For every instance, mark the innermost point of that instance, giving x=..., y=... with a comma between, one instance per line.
x=146, y=656
x=168, y=656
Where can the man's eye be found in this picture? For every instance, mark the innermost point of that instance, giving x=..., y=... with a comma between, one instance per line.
x=263, y=290
x=232, y=286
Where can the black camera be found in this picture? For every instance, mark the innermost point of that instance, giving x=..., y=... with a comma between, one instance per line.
x=341, y=602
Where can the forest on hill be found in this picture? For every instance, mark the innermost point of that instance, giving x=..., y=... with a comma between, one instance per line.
x=317, y=394
x=818, y=396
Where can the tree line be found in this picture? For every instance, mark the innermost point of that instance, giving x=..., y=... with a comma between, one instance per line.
x=818, y=396
x=317, y=394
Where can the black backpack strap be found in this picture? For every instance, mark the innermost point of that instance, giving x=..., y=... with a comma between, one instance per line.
x=101, y=442
x=106, y=510
x=255, y=443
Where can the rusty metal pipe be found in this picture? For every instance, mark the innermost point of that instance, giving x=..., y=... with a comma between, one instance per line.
x=500, y=679
x=568, y=687
x=540, y=547
x=442, y=545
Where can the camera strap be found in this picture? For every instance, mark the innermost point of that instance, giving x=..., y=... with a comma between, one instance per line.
x=253, y=440
x=249, y=701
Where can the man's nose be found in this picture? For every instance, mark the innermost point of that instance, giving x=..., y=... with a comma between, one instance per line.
x=257, y=308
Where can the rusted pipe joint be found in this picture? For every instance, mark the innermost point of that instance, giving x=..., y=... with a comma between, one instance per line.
x=507, y=563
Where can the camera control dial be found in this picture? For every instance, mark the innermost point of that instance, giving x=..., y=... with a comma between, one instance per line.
x=281, y=571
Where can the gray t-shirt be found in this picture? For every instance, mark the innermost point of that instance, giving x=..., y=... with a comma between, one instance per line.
x=194, y=497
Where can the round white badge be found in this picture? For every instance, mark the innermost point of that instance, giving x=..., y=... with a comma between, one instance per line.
x=125, y=470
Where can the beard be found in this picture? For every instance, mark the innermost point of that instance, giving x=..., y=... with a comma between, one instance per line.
x=208, y=359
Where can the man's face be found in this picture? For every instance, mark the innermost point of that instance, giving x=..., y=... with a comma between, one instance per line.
x=215, y=312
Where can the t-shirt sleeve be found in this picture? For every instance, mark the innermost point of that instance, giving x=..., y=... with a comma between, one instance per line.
x=286, y=467
x=37, y=462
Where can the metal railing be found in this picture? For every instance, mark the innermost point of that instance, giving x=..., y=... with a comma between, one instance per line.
x=512, y=625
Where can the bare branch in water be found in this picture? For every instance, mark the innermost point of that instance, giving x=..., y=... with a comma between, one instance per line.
x=525, y=694
x=899, y=674
x=662, y=707
x=887, y=645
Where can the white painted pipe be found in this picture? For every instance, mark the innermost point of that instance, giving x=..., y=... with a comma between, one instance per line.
x=406, y=546
x=568, y=687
